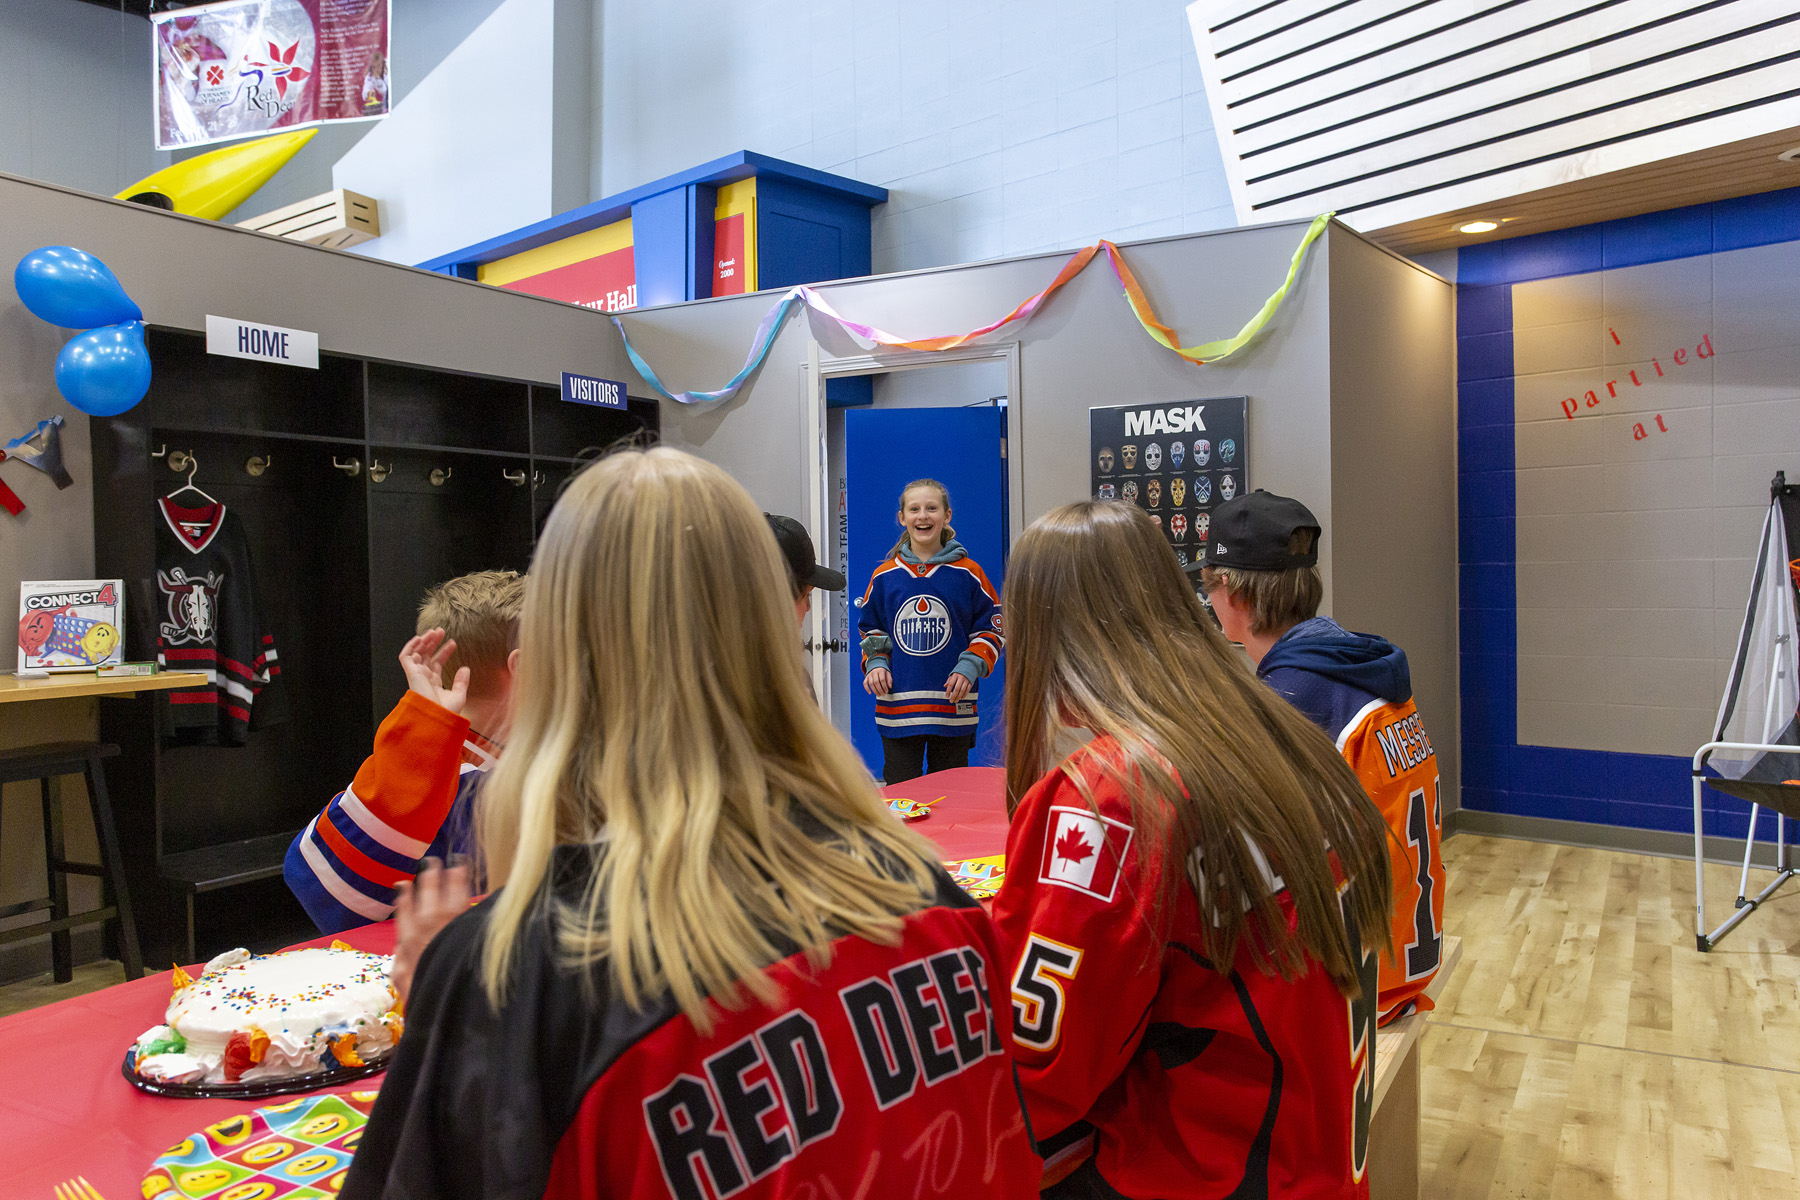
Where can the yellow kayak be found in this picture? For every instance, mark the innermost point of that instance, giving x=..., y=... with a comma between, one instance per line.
x=211, y=185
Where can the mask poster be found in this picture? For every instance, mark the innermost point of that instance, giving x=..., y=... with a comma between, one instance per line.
x=1177, y=461
x=246, y=67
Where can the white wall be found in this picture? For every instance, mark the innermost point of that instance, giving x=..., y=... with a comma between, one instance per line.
x=999, y=126
x=75, y=95
x=471, y=151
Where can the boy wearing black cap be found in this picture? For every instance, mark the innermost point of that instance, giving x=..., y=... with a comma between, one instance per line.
x=804, y=571
x=1261, y=575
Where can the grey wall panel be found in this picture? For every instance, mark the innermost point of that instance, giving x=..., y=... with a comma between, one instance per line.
x=1393, y=477
x=1083, y=350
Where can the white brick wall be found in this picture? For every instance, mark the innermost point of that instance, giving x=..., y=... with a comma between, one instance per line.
x=999, y=126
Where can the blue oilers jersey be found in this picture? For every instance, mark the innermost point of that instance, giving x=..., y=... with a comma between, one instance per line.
x=923, y=621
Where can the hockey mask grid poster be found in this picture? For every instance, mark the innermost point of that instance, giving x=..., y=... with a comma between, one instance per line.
x=1176, y=460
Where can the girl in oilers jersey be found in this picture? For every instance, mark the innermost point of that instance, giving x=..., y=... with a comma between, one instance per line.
x=1193, y=1008
x=930, y=633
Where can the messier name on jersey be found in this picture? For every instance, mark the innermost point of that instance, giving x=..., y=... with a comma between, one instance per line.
x=1404, y=744
x=1147, y=421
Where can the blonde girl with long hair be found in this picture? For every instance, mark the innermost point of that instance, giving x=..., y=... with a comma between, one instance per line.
x=1193, y=1005
x=715, y=964
x=931, y=632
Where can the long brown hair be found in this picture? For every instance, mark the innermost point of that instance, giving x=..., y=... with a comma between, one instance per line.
x=663, y=706
x=1104, y=633
x=905, y=533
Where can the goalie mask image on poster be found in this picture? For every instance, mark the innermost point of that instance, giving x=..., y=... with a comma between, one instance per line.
x=1178, y=440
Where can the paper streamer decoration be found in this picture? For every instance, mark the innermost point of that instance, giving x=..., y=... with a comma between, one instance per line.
x=1134, y=295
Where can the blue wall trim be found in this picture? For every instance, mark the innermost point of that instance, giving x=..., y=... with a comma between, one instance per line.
x=1642, y=791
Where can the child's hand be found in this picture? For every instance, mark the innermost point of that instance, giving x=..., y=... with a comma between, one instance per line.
x=957, y=686
x=423, y=906
x=423, y=660
x=878, y=682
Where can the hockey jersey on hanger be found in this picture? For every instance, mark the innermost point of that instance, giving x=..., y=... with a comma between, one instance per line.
x=210, y=620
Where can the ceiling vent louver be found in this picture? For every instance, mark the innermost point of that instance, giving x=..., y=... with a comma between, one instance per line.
x=1394, y=110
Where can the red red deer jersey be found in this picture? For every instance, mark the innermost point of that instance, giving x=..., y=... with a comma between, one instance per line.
x=1146, y=1071
x=883, y=1072
x=1358, y=688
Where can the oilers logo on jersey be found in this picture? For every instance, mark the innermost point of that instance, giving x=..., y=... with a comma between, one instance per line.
x=924, y=627
x=193, y=606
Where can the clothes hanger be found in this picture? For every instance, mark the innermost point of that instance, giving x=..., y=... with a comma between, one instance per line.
x=190, y=486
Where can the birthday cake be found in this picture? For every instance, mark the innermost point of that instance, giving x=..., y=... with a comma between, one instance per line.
x=252, y=1018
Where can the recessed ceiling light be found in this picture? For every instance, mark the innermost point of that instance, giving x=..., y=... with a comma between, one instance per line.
x=1479, y=227
x=1790, y=155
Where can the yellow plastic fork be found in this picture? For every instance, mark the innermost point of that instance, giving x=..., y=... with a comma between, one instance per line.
x=77, y=1188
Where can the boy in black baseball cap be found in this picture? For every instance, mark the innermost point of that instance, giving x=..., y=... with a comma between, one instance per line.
x=804, y=571
x=1261, y=574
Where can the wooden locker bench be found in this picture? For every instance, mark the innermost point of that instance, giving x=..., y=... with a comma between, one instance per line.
x=1394, y=1129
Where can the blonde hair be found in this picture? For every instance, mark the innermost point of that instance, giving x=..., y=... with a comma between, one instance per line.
x=480, y=613
x=1104, y=633
x=1276, y=599
x=663, y=706
x=943, y=494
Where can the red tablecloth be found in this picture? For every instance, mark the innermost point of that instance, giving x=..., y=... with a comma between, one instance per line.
x=969, y=821
x=65, y=1109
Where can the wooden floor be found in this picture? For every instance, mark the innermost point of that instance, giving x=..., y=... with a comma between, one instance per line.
x=1586, y=1049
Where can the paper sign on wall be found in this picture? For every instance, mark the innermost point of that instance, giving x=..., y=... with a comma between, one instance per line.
x=264, y=343
x=1175, y=460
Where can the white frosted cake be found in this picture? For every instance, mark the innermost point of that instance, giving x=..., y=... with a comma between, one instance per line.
x=250, y=1018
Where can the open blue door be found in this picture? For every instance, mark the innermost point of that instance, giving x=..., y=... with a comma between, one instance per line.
x=884, y=450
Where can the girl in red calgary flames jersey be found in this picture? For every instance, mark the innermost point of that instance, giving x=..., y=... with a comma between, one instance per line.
x=1193, y=1008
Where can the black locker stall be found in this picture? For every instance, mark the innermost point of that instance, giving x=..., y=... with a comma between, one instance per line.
x=359, y=485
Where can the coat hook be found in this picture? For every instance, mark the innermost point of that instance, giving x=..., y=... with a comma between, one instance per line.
x=256, y=464
x=516, y=478
x=353, y=468
x=537, y=477
x=161, y=451
x=178, y=460
x=438, y=476
x=377, y=471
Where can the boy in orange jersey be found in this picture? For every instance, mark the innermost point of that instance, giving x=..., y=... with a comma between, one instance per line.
x=1261, y=576
x=413, y=799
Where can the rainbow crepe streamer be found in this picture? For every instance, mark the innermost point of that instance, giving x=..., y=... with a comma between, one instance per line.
x=773, y=320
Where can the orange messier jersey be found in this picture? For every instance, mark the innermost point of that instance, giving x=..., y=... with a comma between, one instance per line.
x=1388, y=748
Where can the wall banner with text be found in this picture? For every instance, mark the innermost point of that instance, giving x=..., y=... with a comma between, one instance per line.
x=1177, y=461
x=246, y=67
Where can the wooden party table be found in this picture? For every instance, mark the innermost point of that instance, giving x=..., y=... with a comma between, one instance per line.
x=74, y=684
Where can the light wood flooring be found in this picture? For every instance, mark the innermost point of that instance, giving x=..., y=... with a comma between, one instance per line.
x=1584, y=1048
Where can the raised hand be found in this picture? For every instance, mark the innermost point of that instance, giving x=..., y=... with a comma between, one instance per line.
x=423, y=905
x=423, y=659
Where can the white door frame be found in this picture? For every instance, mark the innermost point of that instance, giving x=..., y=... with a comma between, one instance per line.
x=816, y=370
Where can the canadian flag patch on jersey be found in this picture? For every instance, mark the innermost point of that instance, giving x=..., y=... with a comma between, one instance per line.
x=1083, y=851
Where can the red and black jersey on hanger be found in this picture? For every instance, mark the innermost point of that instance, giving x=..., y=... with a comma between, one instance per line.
x=210, y=620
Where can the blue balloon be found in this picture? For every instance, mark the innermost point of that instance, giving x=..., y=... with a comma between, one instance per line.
x=73, y=289
x=103, y=372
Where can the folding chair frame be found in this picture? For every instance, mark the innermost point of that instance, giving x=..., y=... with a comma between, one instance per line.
x=1703, y=940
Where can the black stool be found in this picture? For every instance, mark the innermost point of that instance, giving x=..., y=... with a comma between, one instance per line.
x=43, y=763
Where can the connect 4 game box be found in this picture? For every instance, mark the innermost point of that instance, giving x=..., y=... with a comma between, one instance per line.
x=71, y=624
